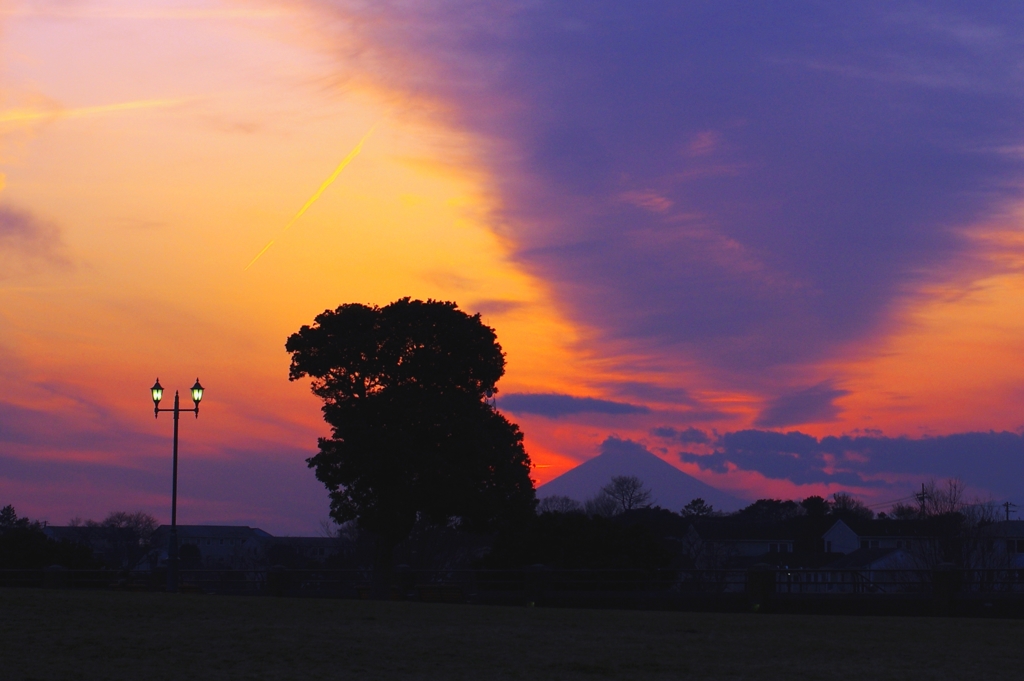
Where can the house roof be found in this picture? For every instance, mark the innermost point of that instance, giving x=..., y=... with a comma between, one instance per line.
x=734, y=531
x=61, y=532
x=887, y=527
x=306, y=541
x=215, y=532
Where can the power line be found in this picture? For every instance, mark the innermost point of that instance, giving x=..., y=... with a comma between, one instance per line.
x=894, y=501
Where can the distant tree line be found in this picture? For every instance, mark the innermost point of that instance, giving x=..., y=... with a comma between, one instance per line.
x=627, y=493
x=119, y=541
x=619, y=526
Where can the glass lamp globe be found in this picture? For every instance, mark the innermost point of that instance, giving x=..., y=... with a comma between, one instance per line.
x=158, y=392
x=197, y=392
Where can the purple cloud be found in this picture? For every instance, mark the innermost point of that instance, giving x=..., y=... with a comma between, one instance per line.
x=22, y=235
x=653, y=393
x=555, y=405
x=688, y=436
x=753, y=186
x=991, y=461
x=810, y=405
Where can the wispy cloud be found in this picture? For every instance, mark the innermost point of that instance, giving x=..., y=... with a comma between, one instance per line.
x=686, y=436
x=554, y=405
x=27, y=115
x=815, y=404
x=25, y=238
x=81, y=10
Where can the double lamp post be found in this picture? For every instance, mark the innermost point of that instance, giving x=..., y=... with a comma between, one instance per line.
x=172, y=542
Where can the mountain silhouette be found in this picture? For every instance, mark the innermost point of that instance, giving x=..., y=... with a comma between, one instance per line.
x=670, y=487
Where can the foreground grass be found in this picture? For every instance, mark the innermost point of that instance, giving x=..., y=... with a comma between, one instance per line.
x=102, y=635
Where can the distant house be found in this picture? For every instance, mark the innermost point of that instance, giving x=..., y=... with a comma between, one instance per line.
x=211, y=547
x=300, y=552
x=873, y=560
x=62, y=533
x=216, y=546
x=77, y=534
x=1005, y=540
x=116, y=547
x=799, y=541
x=869, y=570
x=875, y=570
x=740, y=540
x=849, y=535
x=239, y=547
x=728, y=542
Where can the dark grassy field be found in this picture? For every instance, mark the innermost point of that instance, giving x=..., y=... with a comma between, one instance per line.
x=149, y=637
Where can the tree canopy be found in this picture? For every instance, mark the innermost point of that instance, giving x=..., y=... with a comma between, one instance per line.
x=844, y=505
x=559, y=504
x=9, y=518
x=121, y=540
x=698, y=508
x=766, y=511
x=405, y=390
x=816, y=506
x=628, y=491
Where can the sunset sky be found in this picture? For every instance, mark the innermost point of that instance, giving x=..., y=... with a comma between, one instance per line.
x=780, y=245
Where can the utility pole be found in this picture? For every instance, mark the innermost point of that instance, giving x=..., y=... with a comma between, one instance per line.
x=1008, y=505
x=922, y=497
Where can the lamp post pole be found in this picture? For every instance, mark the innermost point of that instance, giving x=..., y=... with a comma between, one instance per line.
x=172, y=540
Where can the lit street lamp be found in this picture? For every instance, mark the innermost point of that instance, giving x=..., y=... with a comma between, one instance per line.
x=172, y=542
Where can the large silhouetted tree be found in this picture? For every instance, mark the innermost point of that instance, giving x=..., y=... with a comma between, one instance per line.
x=404, y=390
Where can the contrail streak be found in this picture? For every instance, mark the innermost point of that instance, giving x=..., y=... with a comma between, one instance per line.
x=327, y=183
x=265, y=248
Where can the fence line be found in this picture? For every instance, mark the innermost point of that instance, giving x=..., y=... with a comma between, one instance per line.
x=713, y=589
